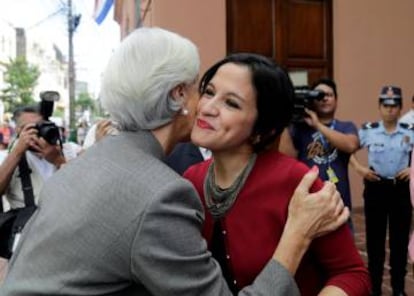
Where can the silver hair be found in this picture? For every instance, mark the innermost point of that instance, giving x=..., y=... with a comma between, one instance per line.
x=137, y=83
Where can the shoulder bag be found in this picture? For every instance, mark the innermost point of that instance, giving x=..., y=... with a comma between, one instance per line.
x=13, y=221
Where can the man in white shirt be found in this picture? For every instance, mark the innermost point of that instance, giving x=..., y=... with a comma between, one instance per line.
x=42, y=157
x=3, y=149
x=409, y=116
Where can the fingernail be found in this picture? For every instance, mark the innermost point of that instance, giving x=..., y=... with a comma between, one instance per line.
x=314, y=168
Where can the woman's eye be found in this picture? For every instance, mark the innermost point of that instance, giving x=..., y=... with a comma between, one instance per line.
x=232, y=103
x=209, y=92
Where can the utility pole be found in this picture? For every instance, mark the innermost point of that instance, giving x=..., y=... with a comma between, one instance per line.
x=71, y=73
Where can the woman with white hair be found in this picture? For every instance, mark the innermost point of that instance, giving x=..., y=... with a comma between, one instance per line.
x=118, y=221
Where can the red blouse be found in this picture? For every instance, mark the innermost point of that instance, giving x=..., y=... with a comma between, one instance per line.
x=253, y=226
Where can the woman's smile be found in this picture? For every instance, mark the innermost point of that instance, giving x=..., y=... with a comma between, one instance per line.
x=204, y=124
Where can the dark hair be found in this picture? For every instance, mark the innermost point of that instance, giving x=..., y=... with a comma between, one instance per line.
x=25, y=109
x=274, y=95
x=327, y=81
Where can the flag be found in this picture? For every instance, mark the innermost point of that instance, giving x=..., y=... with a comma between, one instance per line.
x=102, y=8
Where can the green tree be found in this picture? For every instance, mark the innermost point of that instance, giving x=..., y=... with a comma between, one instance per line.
x=84, y=102
x=20, y=78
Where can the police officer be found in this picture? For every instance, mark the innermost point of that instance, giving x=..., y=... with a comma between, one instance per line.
x=386, y=192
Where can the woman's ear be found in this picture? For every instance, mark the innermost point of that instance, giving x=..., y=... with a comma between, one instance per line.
x=177, y=93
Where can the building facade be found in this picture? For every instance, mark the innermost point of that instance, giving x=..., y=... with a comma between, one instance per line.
x=373, y=45
x=7, y=47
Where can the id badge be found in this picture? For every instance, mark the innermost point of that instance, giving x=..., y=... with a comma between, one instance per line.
x=331, y=175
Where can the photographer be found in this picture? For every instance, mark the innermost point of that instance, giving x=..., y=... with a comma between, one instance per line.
x=322, y=140
x=42, y=157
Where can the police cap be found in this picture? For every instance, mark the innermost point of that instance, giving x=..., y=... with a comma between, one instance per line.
x=390, y=96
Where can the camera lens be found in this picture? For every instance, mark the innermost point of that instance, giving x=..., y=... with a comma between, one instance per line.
x=50, y=132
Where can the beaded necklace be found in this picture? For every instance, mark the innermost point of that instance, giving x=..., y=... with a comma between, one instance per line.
x=219, y=200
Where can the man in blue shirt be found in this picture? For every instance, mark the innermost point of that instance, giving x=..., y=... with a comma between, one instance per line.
x=386, y=192
x=323, y=140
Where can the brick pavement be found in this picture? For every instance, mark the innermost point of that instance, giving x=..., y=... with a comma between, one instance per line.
x=359, y=224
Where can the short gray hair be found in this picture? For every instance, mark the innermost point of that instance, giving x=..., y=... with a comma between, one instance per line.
x=140, y=75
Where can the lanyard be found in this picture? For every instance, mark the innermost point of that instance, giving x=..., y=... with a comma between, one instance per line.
x=330, y=172
x=325, y=143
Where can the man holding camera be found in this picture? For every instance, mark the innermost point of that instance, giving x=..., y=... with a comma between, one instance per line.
x=321, y=139
x=42, y=157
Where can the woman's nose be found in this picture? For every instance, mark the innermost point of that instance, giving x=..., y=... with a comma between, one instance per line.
x=209, y=107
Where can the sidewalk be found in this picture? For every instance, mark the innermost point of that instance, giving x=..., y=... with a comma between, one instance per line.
x=3, y=266
x=359, y=224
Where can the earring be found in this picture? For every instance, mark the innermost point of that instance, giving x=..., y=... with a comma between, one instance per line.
x=256, y=139
x=184, y=111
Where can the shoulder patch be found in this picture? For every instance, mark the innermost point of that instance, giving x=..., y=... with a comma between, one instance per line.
x=370, y=125
x=408, y=126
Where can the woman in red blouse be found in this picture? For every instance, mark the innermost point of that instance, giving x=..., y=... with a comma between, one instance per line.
x=246, y=101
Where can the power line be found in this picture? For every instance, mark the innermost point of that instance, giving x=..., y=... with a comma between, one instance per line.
x=7, y=22
x=46, y=18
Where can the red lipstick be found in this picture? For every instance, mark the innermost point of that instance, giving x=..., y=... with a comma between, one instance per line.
x=203, y=124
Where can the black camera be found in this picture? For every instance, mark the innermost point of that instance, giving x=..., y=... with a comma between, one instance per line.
x=304, y=98
x=47, y=129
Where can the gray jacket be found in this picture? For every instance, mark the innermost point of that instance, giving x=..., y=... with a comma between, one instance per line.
x=118, y=221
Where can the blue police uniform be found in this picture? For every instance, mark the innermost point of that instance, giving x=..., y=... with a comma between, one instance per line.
x=387, y=200
x=388, y=153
